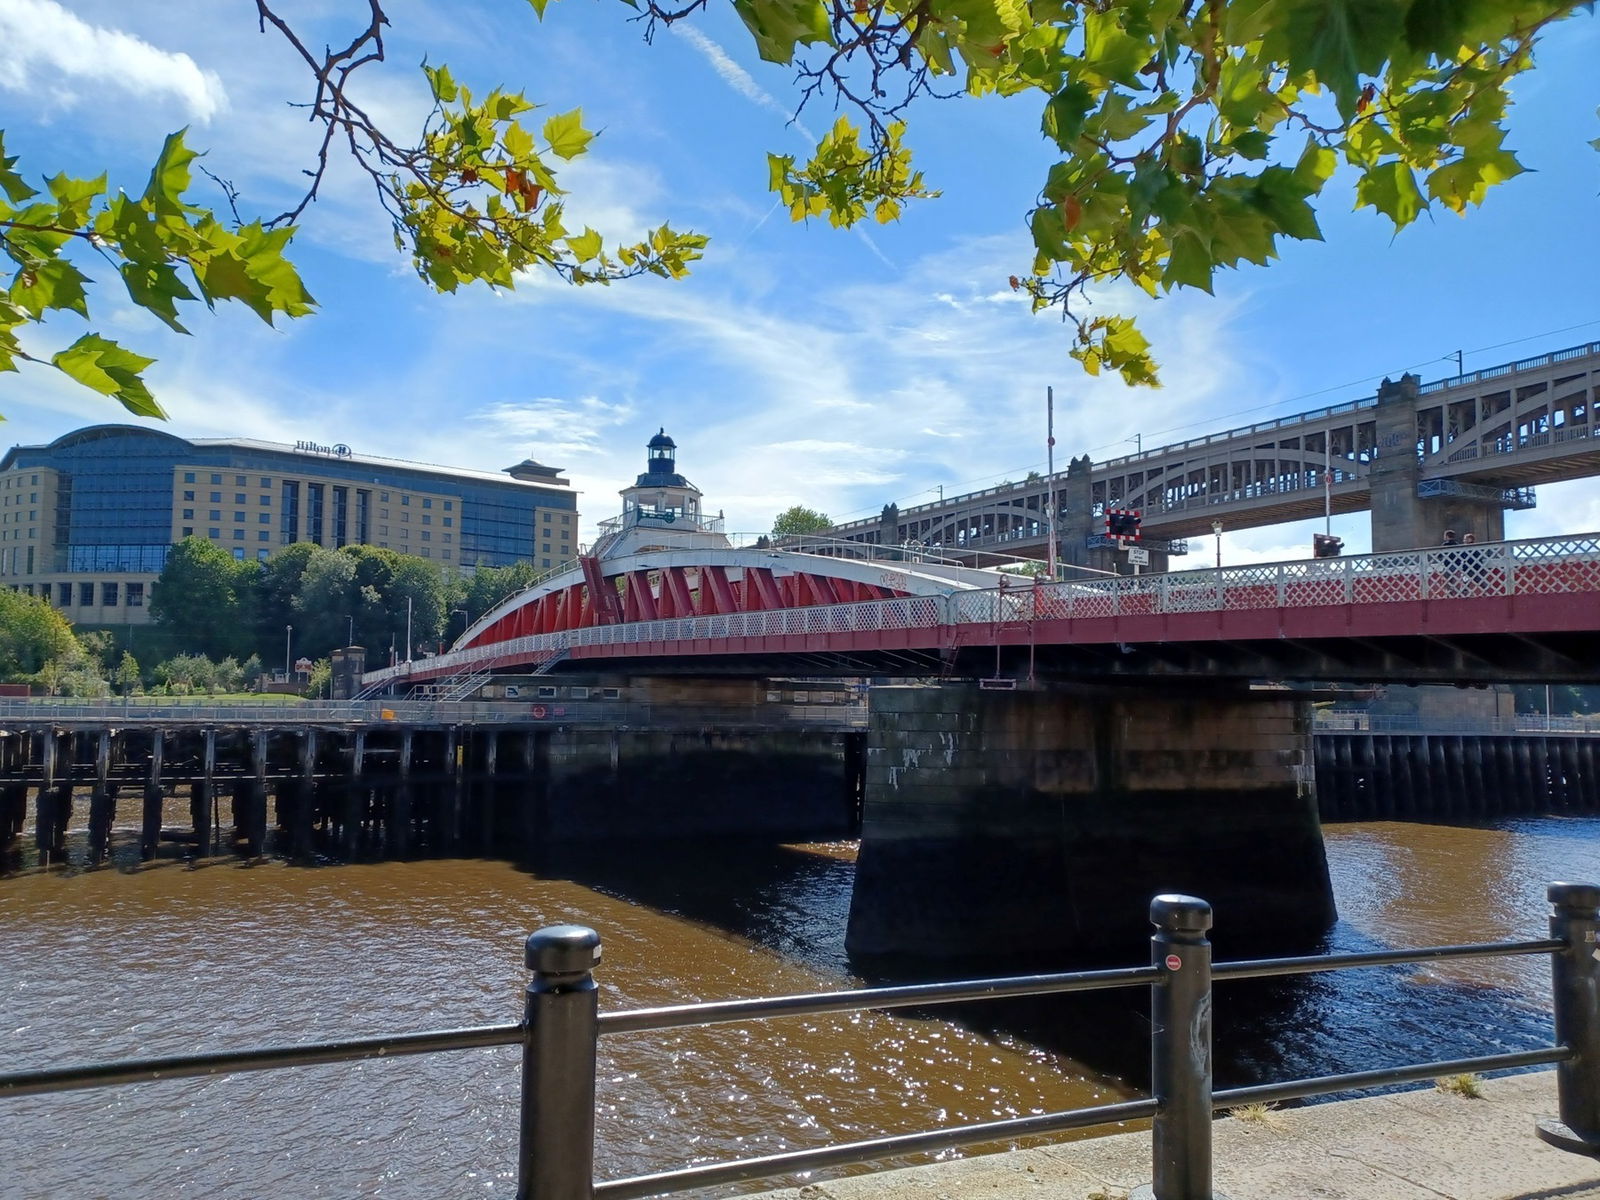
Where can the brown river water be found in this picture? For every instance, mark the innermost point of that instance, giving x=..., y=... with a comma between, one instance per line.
x=119, y=962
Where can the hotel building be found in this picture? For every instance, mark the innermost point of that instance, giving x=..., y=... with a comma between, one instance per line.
x=87, y=520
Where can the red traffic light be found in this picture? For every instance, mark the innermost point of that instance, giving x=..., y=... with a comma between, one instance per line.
x=1123, y=523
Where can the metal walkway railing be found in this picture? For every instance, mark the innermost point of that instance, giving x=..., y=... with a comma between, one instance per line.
x=562, y=1025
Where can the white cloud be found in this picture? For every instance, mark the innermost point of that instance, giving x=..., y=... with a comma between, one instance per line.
x=44, y=45
x=570, y=428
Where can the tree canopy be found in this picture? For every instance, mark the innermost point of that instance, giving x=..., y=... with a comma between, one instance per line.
x=800, y=519
x=1192, y=136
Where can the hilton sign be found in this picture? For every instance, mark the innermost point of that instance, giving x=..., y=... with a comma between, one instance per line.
x=338, y=451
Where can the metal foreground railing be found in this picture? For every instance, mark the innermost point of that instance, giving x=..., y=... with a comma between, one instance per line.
x=1548, y=566
x=562, y=1025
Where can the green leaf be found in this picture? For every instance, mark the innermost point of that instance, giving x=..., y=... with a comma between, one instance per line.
x=111, y=370
x=156, y=287
x=443, y=86
x=1391, y=188
x=1341, y=40
x=1468, y=180
x=1189, y=263
x=1065, y=113
x=11, y=183
x=566, y=135
x=1110, y=52
x=778, y=26
x=51, y=284
x=585, y=246
x=170, y=177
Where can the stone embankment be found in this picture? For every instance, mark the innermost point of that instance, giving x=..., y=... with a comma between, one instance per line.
x=1418, y=1145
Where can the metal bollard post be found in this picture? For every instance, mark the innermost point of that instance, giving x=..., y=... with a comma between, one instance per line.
x=1575, y=979
x=555, y=1160
x=1180, y=1050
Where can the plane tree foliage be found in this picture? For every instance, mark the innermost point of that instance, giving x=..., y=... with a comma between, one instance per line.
x=798, y=519
x=1192, y=135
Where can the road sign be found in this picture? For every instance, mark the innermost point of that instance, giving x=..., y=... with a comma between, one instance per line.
x=1139, y=556
x=303, y=666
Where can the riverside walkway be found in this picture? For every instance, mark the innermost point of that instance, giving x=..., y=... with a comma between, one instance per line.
x=1416, y=1145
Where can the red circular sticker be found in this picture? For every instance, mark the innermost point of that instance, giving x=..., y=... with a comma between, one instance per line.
x=1174, y=963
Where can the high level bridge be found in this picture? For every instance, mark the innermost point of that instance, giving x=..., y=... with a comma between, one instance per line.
x=1423, y=457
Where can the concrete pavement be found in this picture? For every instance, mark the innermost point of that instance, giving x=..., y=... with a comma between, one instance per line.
x=1418, y=1145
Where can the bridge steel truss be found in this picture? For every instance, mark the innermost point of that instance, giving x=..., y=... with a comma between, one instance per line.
x=1524, y=610
x=1507, y=427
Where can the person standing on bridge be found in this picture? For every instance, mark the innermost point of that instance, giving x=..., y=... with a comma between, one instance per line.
x=1450, y=538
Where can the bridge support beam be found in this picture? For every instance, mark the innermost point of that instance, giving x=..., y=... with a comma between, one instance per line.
x=1034, y=826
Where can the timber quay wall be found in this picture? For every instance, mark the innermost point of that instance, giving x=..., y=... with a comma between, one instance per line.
x=1367, y=775
x=341, y=781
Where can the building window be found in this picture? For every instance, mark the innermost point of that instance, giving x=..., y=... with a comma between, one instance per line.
x=238, y=535
x=188, y=531
x=383, y=497
x=363, y=516
x=108, y=595
x=406, y=517
x=216, y=478
x=449, y=537
x=214, y=515
x=427, y=553
x=427, y=503
x=86, y=595
x=405, y=500
x=239, y=517
x=445, y=554
x=240, y=497
x=383, y=514
x=188, y=514
x=216, y=497
x=239, y=481
x=426, y=519
x=136, y=595
x=449, y=521
x=188, y=495
x=264, y=501
x=383, y=531
x=341, y=516
x=63, y=595
x=545, y=549
x=427, y=536
x=29, y=571
x=266, y=481
x=449, y=505
x=263, y=535
x=291, y=512
x=214, y=533
x=314, y=494
x=188, y=476
x=238, y=554
x=547, y=518
x=566, y=519
x=264, y=518
x=544, y=562
x=263, y=555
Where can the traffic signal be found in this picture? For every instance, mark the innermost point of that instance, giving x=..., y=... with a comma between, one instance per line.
x=1123, y=523
x=1325, y=545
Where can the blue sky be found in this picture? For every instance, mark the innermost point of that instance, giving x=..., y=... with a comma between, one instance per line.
x=798, y=363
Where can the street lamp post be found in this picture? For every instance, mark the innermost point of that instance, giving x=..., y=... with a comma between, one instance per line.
x=288, y=662
x=408, y=628
x=466, y=618
x=1216, y=528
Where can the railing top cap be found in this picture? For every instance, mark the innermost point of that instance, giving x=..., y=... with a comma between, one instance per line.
x=1582, y=897
x=1180, y=914
x=563, y=950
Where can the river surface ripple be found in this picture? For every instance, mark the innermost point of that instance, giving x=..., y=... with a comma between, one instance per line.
x=164, y=960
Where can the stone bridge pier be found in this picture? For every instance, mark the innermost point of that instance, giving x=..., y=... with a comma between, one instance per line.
x=1033, y=826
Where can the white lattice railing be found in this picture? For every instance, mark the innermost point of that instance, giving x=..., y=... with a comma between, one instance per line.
x=1569, y=565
